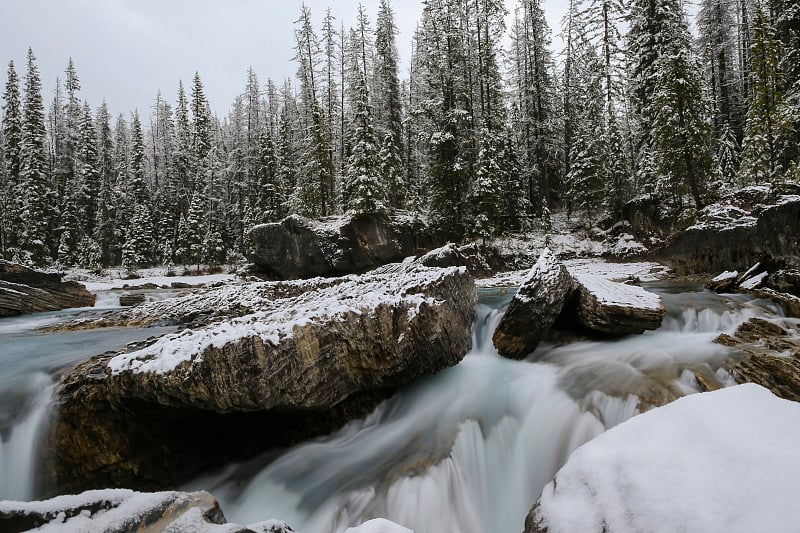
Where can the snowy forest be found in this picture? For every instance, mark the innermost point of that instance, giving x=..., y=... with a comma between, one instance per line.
x=488, y=132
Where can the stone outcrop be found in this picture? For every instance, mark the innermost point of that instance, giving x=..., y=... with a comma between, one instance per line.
x=770, y=357
x=590, y=303
x=611, y=308
x=126, y=511
x=481, y=261
x=745, y=227
x=25, y=290
x=534, y=308
x=297, y=247
x=295, y=367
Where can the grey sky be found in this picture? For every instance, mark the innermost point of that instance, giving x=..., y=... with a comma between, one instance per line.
x=126, y=50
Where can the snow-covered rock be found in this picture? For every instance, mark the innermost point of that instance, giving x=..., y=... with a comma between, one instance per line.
x=297, y=366
x=123, y=510
x=378, y=525
x=25, y=290
x=615, y=308
x=534, y=308
x=297, y=247
x=113, y=510
x=723, y=282
x=741, y=229
x=717, y=461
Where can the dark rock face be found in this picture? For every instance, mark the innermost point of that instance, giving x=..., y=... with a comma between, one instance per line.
x=471, y=256
x=732, y=238
x=130, y=300
x=297, y=248
x=126, y=511
x=612, y=308
x=25, y=290
x=299, y=366
x=534, y=308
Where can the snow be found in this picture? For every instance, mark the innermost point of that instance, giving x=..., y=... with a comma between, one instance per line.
x=378, y=525
x=126, y=505
x=620, y=272
x=126, y=508
x=114, y=278
x=275, y=320
x=728, y=275
x=718, y=461
x=626, y=246
x=754, y=282
x=618, y=294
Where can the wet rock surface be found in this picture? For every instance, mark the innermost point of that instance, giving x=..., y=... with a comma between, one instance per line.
x=611, y=308
x=299, y=366
x=25, y=290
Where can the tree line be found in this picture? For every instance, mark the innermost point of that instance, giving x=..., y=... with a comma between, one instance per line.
x=477, y=138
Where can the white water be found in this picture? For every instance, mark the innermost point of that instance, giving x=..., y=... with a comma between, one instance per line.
x=29, y=364
x=467, y=450
x=470, y=449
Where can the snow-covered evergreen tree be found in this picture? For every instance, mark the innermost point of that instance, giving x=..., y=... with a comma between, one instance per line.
x=36, y=212
x=363, y=191
x=766, y=119
x=10, y=172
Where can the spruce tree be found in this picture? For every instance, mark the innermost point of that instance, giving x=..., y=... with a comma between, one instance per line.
x=10, y=172
x=766, y=120
x=362, y=188
x=486, y=194
x=33, y=174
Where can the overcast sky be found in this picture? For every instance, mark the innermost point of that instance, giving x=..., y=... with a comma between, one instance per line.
x=126, y=50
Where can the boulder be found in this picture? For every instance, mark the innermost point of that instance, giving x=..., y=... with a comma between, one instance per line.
x=297, y=248
x=25, y=290
x=717, y=461
x=296, y=367
x=725, y=282
x=769, y=356
x=612, y=308
x=534, y=308
x=739, y=231
x=131, y=299
x=126, y=511
x=472, y=256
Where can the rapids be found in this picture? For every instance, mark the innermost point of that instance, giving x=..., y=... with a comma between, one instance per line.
x=470, y=449
x=466, y=450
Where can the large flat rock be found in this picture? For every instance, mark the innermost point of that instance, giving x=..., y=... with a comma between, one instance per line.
x=612, y=308
x=25, y=290
x=297, y=366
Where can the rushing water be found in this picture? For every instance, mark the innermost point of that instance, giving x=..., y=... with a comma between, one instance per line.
x=29, y=364
x=466, y=450
x=469, y=449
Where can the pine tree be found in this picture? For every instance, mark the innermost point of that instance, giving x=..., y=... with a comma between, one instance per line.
x=190, y=240
x=10, y=172
x=36, y=210
x=681, y=128
x=766, y=124
x=387, y=103
x=486, y=194
x=138, y=248
x=268, y=192
x=362, y=189
x=105, y=211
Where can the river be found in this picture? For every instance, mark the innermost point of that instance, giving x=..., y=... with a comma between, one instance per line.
x=466, y=450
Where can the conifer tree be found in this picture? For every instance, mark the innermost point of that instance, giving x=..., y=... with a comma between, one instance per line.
x=190, y=240
x=105, y=211
x=387, y=102
x=33, y=173
x=362, y=188
x=486, y=194
x=268, y=191
x=10, y=180
x=766, y=124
